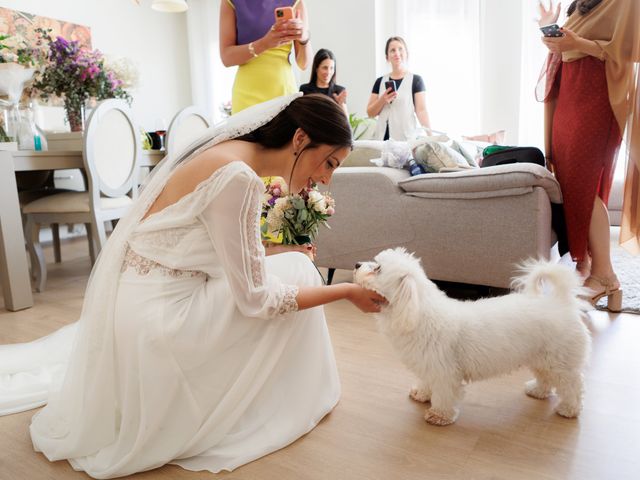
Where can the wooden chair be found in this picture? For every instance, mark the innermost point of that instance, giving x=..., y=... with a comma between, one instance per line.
x=111, y=154
x=187, y=125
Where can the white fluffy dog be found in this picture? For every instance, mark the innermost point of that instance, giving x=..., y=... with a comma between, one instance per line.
x=447, y=342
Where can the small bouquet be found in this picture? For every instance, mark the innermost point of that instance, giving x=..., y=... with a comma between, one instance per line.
x=296, y=218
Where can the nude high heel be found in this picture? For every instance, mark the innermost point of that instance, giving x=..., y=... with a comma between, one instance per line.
x=614, y=295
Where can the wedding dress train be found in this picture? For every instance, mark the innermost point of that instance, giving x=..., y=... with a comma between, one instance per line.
x=192, y=351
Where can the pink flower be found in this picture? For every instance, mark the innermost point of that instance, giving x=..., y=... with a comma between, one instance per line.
x=330, y=211
x=276, y=192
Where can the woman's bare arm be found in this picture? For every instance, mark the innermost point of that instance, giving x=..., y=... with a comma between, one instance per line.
x=233, y=54
x=377, y=102
x=420, y=102
x=303, y=52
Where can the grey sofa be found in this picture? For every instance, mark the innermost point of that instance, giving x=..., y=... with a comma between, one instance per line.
x=472, y=226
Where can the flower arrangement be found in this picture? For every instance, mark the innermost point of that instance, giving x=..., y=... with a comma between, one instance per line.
x=76, y=74
x=14, y=50
x=295, y=217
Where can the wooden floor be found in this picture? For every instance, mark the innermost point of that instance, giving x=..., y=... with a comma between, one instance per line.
x=376, y=431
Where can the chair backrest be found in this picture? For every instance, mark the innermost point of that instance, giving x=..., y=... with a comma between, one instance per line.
x=187, y=125
x=112, y=150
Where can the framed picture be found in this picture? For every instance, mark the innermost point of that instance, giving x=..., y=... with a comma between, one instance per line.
x=21, y=26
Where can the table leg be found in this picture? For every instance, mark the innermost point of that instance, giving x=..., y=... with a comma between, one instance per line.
x=14, y=269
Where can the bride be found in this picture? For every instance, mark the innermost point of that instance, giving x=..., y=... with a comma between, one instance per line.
x=193, y=348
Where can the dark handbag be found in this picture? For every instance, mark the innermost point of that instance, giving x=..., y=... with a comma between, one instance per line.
x=495, y=155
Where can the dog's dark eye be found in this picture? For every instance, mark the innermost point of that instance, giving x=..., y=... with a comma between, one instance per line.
x=377, y=269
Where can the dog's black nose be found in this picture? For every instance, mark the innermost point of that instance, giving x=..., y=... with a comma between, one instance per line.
x=358, y=265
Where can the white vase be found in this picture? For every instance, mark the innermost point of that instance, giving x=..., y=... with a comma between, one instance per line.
x=13, y=76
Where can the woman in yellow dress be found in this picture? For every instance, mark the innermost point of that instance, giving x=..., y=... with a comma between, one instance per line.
x=251, y=38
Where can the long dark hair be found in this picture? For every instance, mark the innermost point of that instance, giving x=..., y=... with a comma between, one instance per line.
x=322, y=55
x=583, y=6
x=319, y=116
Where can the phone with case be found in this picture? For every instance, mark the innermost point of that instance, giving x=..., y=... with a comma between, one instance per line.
x=552, y=30
x=283, y=13
x=390, y=85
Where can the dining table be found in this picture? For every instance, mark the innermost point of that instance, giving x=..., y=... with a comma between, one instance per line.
x=14, y=268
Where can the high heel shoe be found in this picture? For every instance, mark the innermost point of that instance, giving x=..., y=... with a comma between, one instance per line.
x=614, y=295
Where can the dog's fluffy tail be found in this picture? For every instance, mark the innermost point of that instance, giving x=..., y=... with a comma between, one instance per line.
x=540, y=277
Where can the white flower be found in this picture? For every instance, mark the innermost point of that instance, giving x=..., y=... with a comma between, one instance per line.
x=276, y=214
x=317, y=201
x=124, y=69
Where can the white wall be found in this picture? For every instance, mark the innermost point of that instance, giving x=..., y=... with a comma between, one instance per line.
x=348, y=29
x=155, y=42
x=501, y=43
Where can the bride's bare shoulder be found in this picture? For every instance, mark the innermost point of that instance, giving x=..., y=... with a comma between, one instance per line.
x=187, y=177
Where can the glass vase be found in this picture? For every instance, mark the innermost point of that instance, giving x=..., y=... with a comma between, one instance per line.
x=75, y=115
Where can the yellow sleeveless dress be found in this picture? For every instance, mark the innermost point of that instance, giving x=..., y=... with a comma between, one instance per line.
x=262, y=78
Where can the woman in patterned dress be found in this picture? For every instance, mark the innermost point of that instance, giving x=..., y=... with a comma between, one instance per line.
x=590, y=92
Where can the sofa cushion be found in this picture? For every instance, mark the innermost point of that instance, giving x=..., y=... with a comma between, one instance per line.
x=500, y=180
x=437, y=156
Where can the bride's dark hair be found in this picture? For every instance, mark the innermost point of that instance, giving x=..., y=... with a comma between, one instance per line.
x=321, y=118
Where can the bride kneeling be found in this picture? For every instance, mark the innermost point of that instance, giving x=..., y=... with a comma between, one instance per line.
x=193, y=348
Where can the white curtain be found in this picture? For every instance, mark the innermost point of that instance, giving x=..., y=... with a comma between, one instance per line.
x=211, y=81
x=443, y=38
x=532, y=59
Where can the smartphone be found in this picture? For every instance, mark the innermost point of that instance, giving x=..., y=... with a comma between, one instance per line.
x=552, y=30
x=283, y=13
x=390, y=85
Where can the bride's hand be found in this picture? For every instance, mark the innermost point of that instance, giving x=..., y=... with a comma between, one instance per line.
x=308, y=249
x=367, y=301
x=548, y=15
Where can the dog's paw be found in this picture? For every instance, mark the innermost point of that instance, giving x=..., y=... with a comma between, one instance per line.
x=568, y=410
x=533, y=389
x=440, y=418
x=420, y=394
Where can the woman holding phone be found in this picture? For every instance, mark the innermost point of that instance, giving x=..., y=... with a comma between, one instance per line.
x=398, y=97
x=589, y=84
x=323, y=79
x=259, y=37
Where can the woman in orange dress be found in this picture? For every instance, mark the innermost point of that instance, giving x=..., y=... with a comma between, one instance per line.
x=590, y=86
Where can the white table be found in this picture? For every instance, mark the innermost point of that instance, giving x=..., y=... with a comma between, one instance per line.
x=14, y=269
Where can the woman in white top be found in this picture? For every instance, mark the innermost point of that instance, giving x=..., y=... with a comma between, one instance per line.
x=192, y=347
x=397, y=108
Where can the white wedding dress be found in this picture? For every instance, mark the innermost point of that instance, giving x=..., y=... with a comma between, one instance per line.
x=192, y=350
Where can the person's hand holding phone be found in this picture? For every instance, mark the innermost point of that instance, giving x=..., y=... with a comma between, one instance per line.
x=340, y=98
x=390, y=93
x=289, y=25
x=568, y=41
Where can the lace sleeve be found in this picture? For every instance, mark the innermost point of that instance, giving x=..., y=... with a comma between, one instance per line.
x=232, y=219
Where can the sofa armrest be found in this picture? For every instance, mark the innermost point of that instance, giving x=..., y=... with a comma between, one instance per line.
x=370, y=216
x=501, y=180
x=383, y=177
